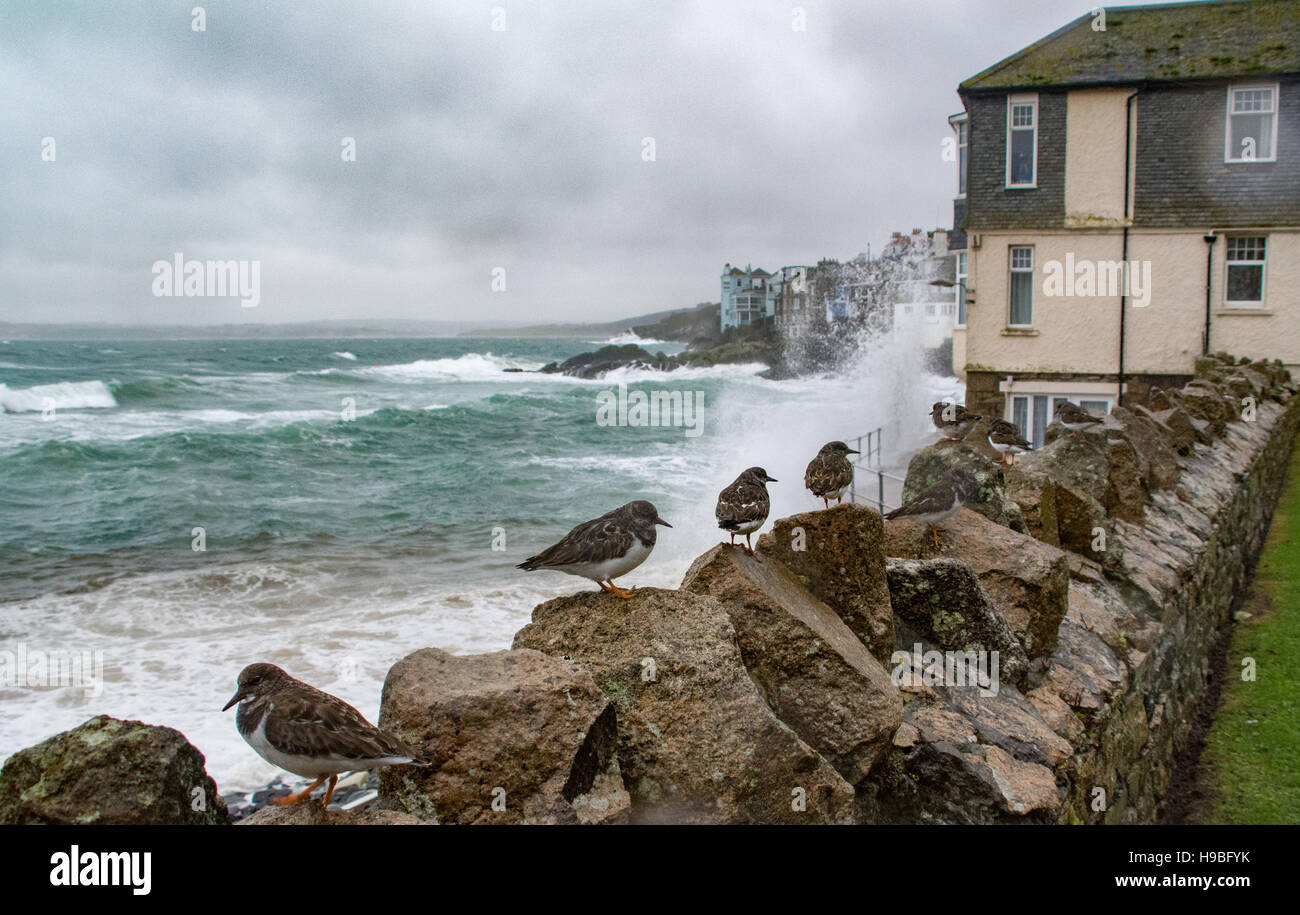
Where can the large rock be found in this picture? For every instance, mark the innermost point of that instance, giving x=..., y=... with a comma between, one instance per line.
x=1027, y=580
x=1159, y=459
x=513, y=737
x=836, y=554
x=1035, y=494
x=107, y=771
x=810, y=667
x=931, y=463
x=966, y=783
x=942, y=600
x=1203, y=401
x=696, y=741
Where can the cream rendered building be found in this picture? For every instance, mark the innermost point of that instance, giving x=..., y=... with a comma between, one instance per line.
x=1170, y=143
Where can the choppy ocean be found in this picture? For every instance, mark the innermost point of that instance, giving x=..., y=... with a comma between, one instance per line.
x=350, y=494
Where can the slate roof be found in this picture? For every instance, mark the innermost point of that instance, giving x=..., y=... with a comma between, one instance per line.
x=1158, y=42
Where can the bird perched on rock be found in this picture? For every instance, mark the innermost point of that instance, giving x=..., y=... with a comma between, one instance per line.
x=952, y=419
x=830, y=474
x=1074, y=417
x=309, y=732
x=939, y=501
x=1005, y=438
x=604, y=548
x=743, y=506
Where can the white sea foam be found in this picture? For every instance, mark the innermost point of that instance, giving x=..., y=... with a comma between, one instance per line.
x=630, y=337
x=469, y=367
x=65, y=395
x=339, y=629
x=351, y=357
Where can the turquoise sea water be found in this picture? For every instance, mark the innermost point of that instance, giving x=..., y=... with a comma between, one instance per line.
x=350, y=495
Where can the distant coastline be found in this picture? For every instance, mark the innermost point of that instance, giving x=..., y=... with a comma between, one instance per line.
x=374, y=328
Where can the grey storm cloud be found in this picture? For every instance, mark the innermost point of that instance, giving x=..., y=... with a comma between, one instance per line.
x=476, y=148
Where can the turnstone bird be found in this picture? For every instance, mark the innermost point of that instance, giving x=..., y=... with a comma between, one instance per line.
x=1074, y=417
x=1005, y=437
x=830, y=474
x=743, y=506
x=309, y=732
x=940, y=500
x=604, y=548
x=952, y=419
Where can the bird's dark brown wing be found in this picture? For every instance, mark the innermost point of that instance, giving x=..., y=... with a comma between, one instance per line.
x=742, y=501
x=303, y=721
x=935, y=499
x=1009, y=438
x=597, y=540
x=828, y=473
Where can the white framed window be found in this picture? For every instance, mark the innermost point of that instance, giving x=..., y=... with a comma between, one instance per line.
x=961, y=288
x=1251, y=134
x=1022, y=141
x=1033, y=413
x=1021, y=312
x=1244, y=276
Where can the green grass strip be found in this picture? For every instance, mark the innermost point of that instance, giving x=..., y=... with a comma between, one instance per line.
x=1251, y=763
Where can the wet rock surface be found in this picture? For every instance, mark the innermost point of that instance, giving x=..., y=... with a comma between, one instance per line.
x=512, y=737
x=697, y=743
x=110, y=772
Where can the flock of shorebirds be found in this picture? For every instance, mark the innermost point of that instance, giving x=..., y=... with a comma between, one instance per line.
x=313, y=734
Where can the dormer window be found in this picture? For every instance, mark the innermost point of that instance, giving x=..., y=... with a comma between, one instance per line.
x=1252, y=124
x=1022, y=141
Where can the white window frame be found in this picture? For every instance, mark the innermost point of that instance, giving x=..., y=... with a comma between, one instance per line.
x=962, y=276
x=1228, y=151
x=1012, y=101
x=961, y=127
x=1263, y=275
x=1054, y=398
x=1011, y=271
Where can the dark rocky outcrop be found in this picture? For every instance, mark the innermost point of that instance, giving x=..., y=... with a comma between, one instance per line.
x=607, y=359
x=696, y=741
x=512, y=736
x=110, y=772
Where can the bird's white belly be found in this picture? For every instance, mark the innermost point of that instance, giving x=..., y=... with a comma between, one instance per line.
x=931, y=517
x=311, y=766
x=748, y=527
x=611, y=568
x=1005, y=447
x=838, y=493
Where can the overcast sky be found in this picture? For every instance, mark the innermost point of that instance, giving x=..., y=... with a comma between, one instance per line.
x=476, y=149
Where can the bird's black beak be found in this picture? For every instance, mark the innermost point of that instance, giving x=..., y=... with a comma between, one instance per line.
x=851, y=451
x=659, y=520
x=233, y=699
x=772, y=480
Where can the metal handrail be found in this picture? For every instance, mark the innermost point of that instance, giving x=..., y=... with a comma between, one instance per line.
x=869, y=460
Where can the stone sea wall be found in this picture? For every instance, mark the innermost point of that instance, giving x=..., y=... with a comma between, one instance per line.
x=846, y=674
